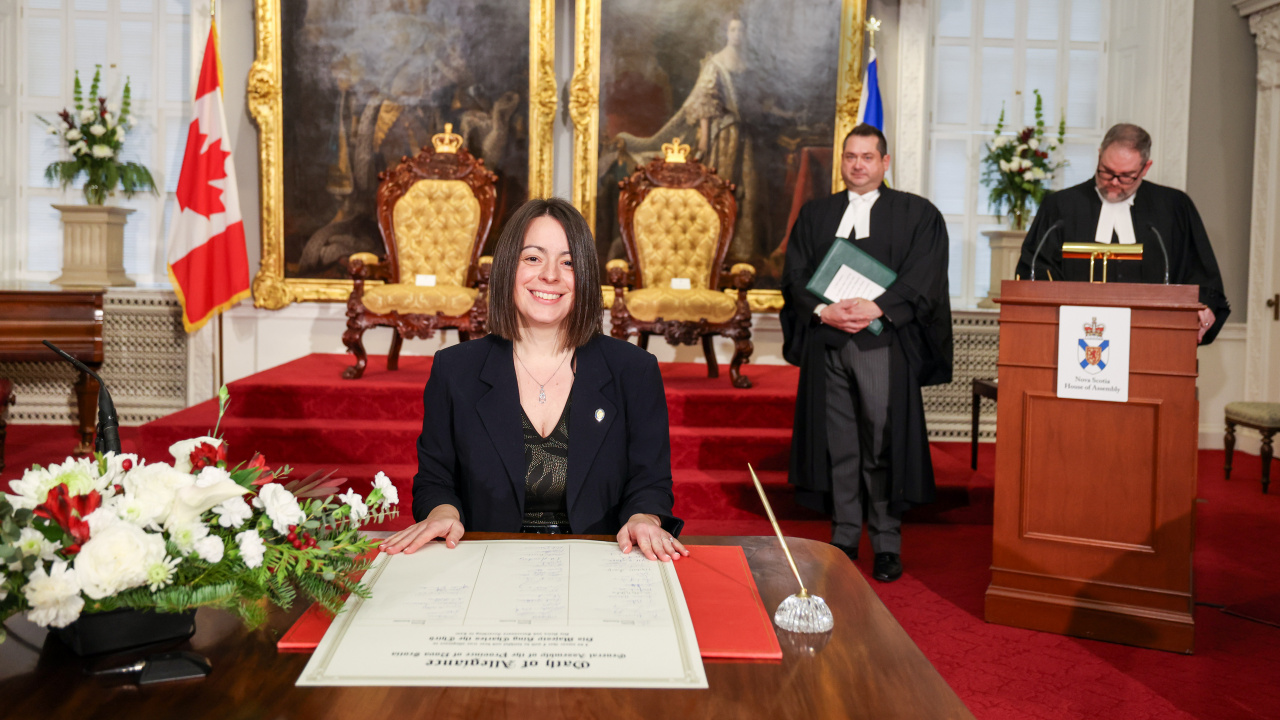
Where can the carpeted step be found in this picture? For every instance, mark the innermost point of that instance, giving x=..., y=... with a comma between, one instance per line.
x=729, y=448
x=314, y=440
x=325, y=440
x=730, y=495
x=376, y=402
x=723, y=408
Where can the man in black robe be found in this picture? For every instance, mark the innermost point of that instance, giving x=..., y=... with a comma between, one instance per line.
x=859, y=442
x=1118, y=206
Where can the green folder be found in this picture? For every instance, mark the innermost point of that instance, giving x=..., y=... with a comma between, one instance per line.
x=842, y=253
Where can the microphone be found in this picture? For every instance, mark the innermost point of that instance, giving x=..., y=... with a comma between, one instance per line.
x=1163, y=251
x=1039, y=245
x=108, y=439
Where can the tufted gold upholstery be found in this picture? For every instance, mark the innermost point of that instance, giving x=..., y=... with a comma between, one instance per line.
x=649, y=304
x=676, y=231
x=451, y=300
x=435, y=224
x=677, y=221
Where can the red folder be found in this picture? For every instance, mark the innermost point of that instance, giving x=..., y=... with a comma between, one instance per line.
x=728, y=615
x=725, y=606
x=305, y=634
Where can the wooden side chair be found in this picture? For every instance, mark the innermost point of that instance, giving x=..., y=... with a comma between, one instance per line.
x=434, y=210
x=1261, y=416
x=677, y=219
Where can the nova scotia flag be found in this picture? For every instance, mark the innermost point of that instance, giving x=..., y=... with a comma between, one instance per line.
x=870, y=108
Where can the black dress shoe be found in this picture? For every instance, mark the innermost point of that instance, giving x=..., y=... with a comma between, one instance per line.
x=888, y=567
x=852, y=552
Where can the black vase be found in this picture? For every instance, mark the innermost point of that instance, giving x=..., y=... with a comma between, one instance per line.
x=98, y=633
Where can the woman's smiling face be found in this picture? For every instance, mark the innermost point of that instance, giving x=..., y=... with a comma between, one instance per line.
x=544, y=276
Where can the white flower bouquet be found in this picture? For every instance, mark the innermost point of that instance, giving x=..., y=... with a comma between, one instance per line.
x=94, y=135
x=1018, y=169
x=112, y=532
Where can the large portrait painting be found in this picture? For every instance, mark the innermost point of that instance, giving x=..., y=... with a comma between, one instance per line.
x=762, y=90
x=343, y=90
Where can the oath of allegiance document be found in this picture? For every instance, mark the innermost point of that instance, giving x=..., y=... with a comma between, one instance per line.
x=514, y=613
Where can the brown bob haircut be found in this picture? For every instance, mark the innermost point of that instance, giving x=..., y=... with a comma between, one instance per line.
x=584, y=320
x=866, y=130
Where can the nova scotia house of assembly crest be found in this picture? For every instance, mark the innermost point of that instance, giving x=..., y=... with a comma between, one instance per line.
x=1094, y=351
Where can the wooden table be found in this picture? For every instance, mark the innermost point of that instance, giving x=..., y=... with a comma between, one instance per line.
x=866, y=668
x=70, y=319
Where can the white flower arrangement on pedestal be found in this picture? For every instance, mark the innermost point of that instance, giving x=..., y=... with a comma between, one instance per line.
x=95, y=535
x=1018, y=169
x=94, y=137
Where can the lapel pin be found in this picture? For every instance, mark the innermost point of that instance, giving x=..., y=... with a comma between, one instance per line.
x=600, y=415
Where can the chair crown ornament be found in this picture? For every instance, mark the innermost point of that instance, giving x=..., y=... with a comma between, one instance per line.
x=676, y=151
x=447, y=141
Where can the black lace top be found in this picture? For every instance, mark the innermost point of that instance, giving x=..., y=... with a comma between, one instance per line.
x=546, y=462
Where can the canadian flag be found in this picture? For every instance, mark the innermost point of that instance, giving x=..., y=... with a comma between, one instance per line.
x=208, y=262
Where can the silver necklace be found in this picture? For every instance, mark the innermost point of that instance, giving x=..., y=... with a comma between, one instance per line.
x=542, y=385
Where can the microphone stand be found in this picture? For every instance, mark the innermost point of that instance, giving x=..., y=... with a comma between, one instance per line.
x=107, y=438
x=1040, y=245
x=1163, y=251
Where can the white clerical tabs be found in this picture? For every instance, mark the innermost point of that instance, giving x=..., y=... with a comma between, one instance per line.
x=514, y=613
x=1093, y=353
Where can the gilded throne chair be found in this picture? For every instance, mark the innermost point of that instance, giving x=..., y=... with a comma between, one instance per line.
x=677, y=219
x=434, y=211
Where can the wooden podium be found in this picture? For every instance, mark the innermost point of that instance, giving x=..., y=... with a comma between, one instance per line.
x=1094, y=500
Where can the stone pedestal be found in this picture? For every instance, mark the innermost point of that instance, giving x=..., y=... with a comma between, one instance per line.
x=93, y=246
x=1006, y=248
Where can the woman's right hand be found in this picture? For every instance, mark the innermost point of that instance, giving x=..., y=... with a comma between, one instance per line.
x=442, y=522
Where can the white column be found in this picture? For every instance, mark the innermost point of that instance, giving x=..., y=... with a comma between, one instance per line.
x=912, y=132
x=1263, y=343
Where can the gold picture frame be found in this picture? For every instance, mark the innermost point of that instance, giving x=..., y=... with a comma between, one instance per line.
x=271, y=288
x=584, y=109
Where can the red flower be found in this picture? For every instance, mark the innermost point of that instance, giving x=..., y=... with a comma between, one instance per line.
x=69, y=512
x=260, y=462
x=206, y=454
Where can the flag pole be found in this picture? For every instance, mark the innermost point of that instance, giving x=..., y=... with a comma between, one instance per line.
x=219, y=379
x=872, y=27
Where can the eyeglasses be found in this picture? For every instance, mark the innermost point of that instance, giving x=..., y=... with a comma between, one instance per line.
x=1107, y=176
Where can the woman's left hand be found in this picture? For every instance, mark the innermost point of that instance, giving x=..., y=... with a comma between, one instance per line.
x=646, y=533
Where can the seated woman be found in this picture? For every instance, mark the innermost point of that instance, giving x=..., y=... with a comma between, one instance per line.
x=546, y=425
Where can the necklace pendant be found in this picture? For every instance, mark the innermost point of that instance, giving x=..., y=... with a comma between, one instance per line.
x=542, y=395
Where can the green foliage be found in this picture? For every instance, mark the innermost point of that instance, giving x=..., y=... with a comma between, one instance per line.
x=94, y=137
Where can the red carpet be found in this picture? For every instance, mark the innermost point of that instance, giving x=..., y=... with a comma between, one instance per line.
x=302, y=413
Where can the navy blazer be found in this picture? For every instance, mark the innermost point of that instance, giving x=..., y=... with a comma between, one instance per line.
x=471, y=451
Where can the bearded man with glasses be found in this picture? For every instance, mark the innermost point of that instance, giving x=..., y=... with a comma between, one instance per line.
x=1118, y=206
